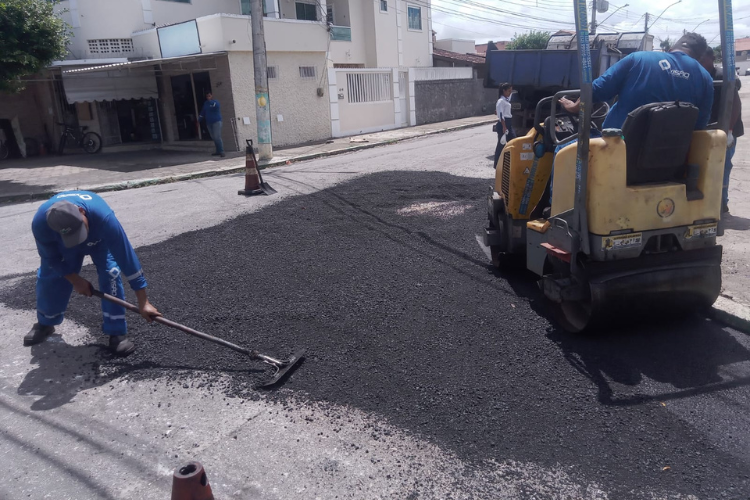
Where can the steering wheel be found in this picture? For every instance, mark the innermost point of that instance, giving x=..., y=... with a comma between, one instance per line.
x=601, y=110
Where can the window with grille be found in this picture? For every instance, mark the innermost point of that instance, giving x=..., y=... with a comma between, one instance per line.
x=307, y=71
x=368, y=87
x=383, y=5
x=111, y=46
x=272, y=72
x=307, y=11
x=329, y=14
x=415, y=18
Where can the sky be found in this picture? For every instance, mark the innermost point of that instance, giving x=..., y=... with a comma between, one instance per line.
x=483, y=20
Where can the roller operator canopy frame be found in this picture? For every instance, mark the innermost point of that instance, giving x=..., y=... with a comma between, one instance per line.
x=579, y=221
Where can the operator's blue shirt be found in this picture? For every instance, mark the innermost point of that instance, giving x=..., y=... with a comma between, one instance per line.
x=211, y=111
x=105, y=232
x=648, y=77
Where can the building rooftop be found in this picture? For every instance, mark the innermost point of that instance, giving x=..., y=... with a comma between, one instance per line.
x=455, y=56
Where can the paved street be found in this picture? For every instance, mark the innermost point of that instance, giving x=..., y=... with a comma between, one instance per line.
x=428, y=374
x=41, y=176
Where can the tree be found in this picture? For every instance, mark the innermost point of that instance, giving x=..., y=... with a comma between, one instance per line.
x=717, y=53
x=31, y=37
x=530, y=40
x=666, y=44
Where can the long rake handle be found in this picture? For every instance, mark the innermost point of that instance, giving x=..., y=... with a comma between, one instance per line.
x=183, y=328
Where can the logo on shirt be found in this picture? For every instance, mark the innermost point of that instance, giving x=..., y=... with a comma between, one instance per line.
x=678, y=73
x=81, y=196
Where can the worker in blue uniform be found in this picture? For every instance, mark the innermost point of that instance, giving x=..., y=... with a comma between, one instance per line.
x=66, y=228
x=646, y=77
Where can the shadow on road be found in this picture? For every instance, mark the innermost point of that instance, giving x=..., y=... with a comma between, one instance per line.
x=686, y=354
x=62, y=371
x=736, y=223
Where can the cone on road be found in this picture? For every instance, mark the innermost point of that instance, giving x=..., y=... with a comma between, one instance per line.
x=190, y=482
x=253, y=180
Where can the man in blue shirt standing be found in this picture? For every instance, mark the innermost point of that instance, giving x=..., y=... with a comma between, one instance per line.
x=66, y=228
x=211, y=112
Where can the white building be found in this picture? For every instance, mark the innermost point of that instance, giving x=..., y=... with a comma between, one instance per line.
x=138, y=70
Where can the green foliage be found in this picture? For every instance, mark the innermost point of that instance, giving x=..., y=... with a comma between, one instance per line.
x=717, y=53
x=666, y=44
x=530, y=40
x=31, y=37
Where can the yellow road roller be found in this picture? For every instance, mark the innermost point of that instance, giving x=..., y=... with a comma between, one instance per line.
x=634, y=214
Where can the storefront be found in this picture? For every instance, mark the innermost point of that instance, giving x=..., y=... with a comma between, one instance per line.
x=146, y=102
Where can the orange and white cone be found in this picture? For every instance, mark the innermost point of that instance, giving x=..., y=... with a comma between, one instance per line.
x=190, y=482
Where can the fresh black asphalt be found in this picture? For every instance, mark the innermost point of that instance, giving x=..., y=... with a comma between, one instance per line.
x=403, y=318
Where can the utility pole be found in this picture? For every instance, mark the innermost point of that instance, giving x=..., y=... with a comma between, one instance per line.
x=593, y=18
x=262, y=104
x=645, y=24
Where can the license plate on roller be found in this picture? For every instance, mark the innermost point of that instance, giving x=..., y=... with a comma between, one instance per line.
x=622, y=241
x=701, y=231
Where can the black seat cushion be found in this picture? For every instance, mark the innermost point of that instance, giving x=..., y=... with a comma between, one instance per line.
x=657, y=141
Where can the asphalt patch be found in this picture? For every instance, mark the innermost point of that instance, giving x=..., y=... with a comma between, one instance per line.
x=382, y=281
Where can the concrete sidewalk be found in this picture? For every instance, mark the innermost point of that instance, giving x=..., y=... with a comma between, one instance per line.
x=38, y=178
x=733, y=307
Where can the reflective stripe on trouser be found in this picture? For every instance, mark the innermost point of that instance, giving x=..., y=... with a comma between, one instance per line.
x=53, y=293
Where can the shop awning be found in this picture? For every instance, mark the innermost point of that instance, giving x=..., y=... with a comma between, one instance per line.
x=125, y=80
x=110, y=86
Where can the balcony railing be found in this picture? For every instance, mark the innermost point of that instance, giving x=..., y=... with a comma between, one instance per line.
x=341, y=33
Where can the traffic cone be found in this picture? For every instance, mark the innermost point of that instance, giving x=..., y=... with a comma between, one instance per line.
x=190, y=482
x=253, y=181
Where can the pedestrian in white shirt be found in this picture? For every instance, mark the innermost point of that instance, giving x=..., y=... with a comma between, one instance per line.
x=504, y=127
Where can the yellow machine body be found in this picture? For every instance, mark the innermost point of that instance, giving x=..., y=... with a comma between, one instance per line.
x=614, y=206
x=520, y=177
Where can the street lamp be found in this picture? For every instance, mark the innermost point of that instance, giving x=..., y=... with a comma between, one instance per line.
x=696, y=26
x=613, y=13
x=662, y=13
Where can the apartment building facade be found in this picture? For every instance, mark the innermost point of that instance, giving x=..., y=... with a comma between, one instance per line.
x=138, y=70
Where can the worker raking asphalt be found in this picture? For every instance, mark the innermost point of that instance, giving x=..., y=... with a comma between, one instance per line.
x=382, y=281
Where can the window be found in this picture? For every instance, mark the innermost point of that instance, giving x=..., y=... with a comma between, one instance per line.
x=272, y=72
x=415, y=18
x=307, y=11
x=329, y=14
x=368, y=87
x=111, y=46
x=245, y=8
x=383, y=5
x=307, y=71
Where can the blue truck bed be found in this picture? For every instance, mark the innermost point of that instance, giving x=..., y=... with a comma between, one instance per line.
x=540, y=69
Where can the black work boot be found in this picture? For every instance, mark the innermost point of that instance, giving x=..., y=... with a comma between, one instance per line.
x=38, y=334
x=121, y=345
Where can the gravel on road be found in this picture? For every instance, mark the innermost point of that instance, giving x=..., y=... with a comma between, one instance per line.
x=381, y=279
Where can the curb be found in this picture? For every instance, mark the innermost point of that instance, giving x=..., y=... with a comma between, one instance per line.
x=103, y=188
x=731, y=313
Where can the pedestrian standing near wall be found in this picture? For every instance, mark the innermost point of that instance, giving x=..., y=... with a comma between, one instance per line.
x=211, y=112
x=504, y=125
x=736, y=127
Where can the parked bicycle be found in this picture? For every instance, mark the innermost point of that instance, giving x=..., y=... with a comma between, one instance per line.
x=91, y=142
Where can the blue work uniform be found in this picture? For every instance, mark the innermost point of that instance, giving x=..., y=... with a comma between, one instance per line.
x=646, y=77
x=109, y=248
